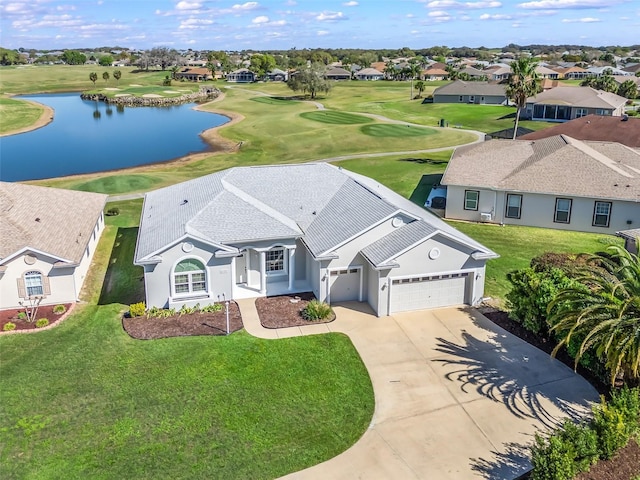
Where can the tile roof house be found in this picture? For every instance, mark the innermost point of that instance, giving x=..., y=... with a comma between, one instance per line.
x=556, y=182
x=194, y=74
x=242, y=75
x=254, y=231
x=47, y=240
x=461, y=91
x=571, y=73
x=370, y=74
x=337, y=73
x=566, y=103
x=624, y=130
x=433, y=74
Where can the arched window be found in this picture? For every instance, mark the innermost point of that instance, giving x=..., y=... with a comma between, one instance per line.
x=189, y=276
x=33, y=283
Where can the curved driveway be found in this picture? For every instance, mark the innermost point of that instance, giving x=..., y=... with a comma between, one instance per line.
x=456, y=396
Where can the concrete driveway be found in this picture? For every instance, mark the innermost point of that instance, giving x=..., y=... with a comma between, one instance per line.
x=456, y=397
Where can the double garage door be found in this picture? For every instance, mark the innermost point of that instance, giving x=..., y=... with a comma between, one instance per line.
x=428, y=292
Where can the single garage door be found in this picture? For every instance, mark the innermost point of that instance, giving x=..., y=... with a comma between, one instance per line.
x=344, y=285
x=428, y=292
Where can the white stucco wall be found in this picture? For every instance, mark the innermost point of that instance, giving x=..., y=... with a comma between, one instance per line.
x=538, y=211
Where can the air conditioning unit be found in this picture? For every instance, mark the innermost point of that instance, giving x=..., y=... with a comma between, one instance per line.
x=485, y=217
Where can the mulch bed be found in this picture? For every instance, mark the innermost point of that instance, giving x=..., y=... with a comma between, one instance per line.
x=44, y=311
x=625, y=465
x=281, y=312
x=144, y=328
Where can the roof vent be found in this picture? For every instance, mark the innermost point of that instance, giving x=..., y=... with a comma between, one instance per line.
x=184, y=202
x=37, y=219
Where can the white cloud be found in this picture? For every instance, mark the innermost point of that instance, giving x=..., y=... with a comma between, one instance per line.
x=580, y=20
x=330, y=16
x=322, y=33
x=454, y=3
x=555, y=4
x=410, y=15
x=185, y=5
x=483, y=4
x=351, y=4
x=245, y=6
x=194, y=23
x=486, y=16
x=260, y=19
x=442, y=4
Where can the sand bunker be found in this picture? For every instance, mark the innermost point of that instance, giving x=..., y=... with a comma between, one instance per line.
x=170, y=91
x=111, y=88
x=122, y=94
x=135, y=85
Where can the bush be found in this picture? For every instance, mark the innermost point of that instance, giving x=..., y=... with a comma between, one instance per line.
x=137, y=309
x=552, y=459
x=42, y=322
x=627, y=402
x=216, y=307
x=9, y=326
x=22, y=316
x=112, y=212
x=316, y=310
x=155, y=312
x=609, y=423
x=584, y=441
x=59, y=309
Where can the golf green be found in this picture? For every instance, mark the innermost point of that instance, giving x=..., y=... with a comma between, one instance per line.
x=335, y=118
x=386, y=130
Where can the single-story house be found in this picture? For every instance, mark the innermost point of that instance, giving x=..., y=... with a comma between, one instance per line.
x=370, y=74
x=624, y=130
x=632, y=68
x=433, y=74
x=242, y=75
x=47, y=240
x=631, y=239
x=556, y=182
x=599, y=71
x=277, y=75
x=498, y=73
x=257, y=231
x=545, y=72
x=194, y=74
x=566, y=103
x=474, y=73
x=620, y=79
x=337, y=73
x=461, y=91
x=572, y=73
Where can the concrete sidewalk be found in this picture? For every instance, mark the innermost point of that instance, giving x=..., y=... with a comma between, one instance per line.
x=456, y=396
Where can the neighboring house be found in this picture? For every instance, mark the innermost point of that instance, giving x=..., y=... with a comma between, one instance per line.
x=498, y=73
x=557, y=182
x=242, y=75
x=620, y=79
x=433, y=74
x=548, y=84
x=194, y=74
x=256, y=231
x=572, y=73
x=544, y=72
x=599, y=71
x=632, y=68
x=624, y=130
x=631, y=239
x=338, y=73
x=566, y=103
x=47, y=240
x=370, y=74
x=474, y=72
x=277, y=75
x=461, y=91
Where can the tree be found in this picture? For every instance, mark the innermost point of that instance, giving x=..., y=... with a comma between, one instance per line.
x=262, y=64
x=523, y=83
x=174, y=71
x=420, y=86
x=628, y=89
x=603, y=82
x=93, y=76
x=105, y=76
x=117, y=75
x=72, y=57
x=9, y=57
x=163, y=56
x=211, y=66
x=606, y=313
x=105, y=60
x=390, y=70
x=310, y=80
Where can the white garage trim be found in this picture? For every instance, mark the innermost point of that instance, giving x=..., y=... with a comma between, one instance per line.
x=344, y=270
x=395, y=282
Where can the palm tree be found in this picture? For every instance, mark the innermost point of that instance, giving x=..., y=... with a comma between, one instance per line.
x=390, y=70
x=93, y=76
x=628, y=89
x=605, y=310
x=420, y=85
x=117, y=75
x=105, y=76
x=523, y=83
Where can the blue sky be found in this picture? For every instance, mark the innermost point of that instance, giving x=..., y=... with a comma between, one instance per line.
x=283, y=24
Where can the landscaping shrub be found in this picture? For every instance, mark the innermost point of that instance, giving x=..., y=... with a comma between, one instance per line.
x=184, y=310
x=584, y=441
x=627, y=402
x=613, y=433
x=42, y=322
x=215, y=307
x=59, y=309
x=9, y=326
x=316, y=310
x=552, y=459
x=137, y=309
x=155, y=312
x=112, y=212
x=22, y=316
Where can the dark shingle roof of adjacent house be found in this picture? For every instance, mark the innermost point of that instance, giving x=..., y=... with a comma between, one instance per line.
x=51, y=220
x=595, y=127
x=323, y=205
x=558, y=165
x=460, y=87
x=586, y=97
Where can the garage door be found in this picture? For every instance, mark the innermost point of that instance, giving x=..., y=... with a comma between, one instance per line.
x=345, y=285
x=428, y=292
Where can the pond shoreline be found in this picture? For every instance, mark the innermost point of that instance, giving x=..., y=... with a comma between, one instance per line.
x=202, y=95
x=45, y=119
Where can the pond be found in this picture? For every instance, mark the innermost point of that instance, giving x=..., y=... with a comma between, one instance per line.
x=87, y=136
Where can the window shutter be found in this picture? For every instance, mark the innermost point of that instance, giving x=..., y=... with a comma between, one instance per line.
x=22, y=292
x=46, y=287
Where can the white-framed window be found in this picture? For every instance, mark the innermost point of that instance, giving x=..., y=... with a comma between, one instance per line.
x=275, y=261
x=189, y=276
x=601, y=214
x=471, y=198
x=514, y=205
x=581, y=112
x=34, y=284
x=563, y=210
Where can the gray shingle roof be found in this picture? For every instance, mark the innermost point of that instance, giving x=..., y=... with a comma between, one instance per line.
x=52, y=220
x=557, y=165
x=381, y=252
x=586, y=97
x=324, y=205
x=460, y=87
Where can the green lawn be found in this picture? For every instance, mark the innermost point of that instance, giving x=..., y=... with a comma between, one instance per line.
x=17, y=114
x=335, y=118
x=397, y=131
x=84, y=400
x=518, y=245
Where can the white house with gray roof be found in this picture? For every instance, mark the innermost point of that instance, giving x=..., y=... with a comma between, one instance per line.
x=482, y=93
x=561, y=104
x=556, y=182
x=257, y=231
x=47, y=239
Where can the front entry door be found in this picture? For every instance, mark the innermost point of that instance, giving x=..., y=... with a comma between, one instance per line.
x=241, y=268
